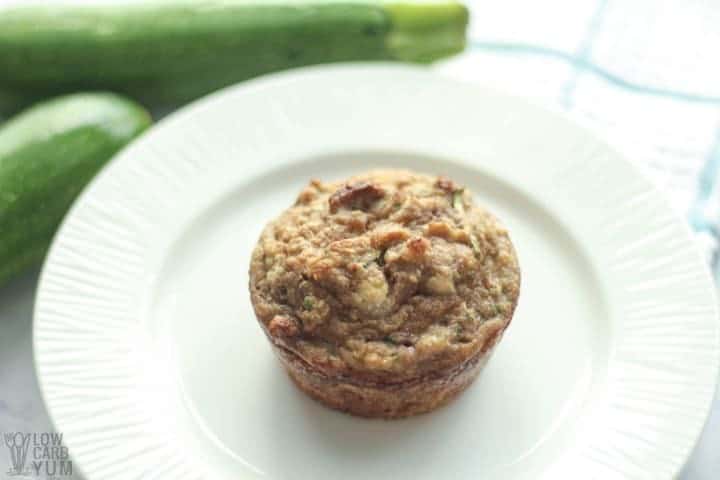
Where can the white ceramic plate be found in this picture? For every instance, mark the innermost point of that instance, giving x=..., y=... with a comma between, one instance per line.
x=152, y=364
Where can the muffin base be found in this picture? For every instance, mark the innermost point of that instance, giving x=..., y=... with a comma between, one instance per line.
x=378, y=400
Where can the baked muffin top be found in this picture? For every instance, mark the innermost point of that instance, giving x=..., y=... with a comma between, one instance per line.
x=386, y=277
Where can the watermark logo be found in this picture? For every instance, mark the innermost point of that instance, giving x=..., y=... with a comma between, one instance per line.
x=37, y=454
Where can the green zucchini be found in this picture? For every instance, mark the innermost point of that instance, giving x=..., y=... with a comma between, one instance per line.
x=48, y=154
x=167, y=53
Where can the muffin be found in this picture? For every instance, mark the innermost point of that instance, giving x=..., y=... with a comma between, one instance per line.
x=385, y=294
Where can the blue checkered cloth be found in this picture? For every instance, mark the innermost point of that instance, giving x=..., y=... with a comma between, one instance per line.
x=644, y=74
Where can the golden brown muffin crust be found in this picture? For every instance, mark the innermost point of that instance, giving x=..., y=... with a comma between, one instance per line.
x=387, y=277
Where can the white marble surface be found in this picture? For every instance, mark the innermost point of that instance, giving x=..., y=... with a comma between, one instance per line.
x=21, y=406
x=22, y=409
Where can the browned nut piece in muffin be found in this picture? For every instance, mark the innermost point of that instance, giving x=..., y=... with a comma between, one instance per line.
x=384, y=295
